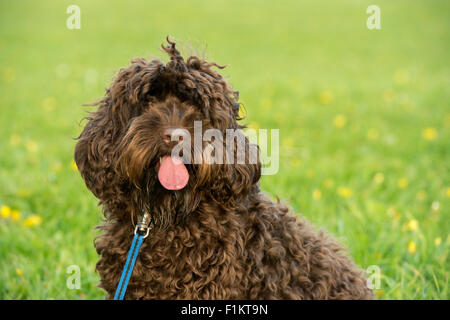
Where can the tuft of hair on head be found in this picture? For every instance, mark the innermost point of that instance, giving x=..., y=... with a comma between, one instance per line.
x=176, y=59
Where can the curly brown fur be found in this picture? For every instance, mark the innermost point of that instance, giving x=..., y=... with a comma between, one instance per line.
x=219, y=237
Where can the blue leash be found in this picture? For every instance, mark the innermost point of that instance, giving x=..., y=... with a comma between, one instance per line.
x=131, y=258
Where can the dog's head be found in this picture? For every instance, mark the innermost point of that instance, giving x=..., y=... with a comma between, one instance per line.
x=154, y=142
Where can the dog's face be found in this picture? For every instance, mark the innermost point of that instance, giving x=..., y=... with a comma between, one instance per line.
x=148, y=144
x=162, y=179
x=144, y=147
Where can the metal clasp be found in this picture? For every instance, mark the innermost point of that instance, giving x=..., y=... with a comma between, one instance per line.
x=143, y=226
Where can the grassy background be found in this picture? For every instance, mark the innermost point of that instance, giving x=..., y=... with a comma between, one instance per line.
x=364, y=123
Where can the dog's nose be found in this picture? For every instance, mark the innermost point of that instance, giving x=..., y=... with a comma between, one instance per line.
x=174, y=135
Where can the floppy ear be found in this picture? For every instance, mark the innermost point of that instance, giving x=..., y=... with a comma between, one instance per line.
x=124, y=100
x=93, y=151
x=234, y=179
x=241, y=177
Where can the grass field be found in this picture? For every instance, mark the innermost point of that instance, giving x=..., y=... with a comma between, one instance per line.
x=364, y=119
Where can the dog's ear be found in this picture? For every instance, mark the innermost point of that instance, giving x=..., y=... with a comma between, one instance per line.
x=234, y=179
x=240, y=175
x=128, y=95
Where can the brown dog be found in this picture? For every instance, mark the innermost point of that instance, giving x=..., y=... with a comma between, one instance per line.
x=213, y=234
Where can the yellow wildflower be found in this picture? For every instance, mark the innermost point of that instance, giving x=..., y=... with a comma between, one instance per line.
x=379, y=293
x=19, y=272
x=73, y=165
x=23, y=193
x=378, y=178
x=345, y=192
x=328, y=183
x=326, y=97
x=288, y=142
x=392, y=212
x=31, y=146
x=413, y=224
x=317, y=194
x=310, y=173
x=15, y=140
x=396, y=215
x=412, y=247
x=401, y=77
x=296, y=162
x=5, y=212
x=253, y=125
x=33, y=221
x=429, y=134
x=448, y=192
x=421, y=195
x=15, y=215
x=340, y=121
x=437, y=241
x=403, y=183
x=447, y=120
x=56, y=167
x=49, y=103
x=82, y=295
x=9, y=75
x=373, y=134
x=388, y=95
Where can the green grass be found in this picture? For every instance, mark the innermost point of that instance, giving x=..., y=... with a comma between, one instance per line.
x=298, y=66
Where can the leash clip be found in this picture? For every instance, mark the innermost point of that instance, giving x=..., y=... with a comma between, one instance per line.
x=143, y=227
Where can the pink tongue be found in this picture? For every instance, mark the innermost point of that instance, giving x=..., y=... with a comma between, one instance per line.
x=172, y=173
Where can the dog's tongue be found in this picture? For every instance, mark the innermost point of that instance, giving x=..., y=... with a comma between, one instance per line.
x=172, y=173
